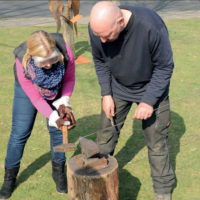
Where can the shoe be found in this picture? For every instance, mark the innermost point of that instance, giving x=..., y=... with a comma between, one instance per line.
x=59, y=176
x=9, y=183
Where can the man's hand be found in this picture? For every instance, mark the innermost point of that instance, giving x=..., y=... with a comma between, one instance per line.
x=143, y=111
x=108, y=106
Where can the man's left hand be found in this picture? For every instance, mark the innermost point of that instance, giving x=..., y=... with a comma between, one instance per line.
x=143, y=111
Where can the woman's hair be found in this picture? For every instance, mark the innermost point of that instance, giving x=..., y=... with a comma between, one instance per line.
x=40, y=43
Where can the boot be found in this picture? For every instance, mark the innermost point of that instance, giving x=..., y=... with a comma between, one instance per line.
x=59, y=176
x=162, y=196
x=9, y=182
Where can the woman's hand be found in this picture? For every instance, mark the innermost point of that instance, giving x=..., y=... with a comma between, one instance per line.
x=66, y=114
x=54, y=119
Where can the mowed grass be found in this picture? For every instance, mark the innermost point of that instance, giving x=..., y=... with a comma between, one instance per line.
x=34, y=179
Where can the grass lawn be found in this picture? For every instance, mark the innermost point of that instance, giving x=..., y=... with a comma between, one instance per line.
x=34, y=179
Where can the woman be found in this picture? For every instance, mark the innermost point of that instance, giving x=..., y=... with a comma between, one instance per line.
x=44, y=81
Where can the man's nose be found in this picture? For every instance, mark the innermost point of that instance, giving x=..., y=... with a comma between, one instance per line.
x=103, y=39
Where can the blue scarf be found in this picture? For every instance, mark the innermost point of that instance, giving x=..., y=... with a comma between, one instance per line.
x=47, y=81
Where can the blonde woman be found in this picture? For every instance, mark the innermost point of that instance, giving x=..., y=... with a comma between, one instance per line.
x=44, y=81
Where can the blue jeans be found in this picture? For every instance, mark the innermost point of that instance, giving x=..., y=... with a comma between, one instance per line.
x=23, y=118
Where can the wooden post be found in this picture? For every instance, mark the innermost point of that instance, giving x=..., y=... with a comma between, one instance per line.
x=96, y=185
x=68, y=32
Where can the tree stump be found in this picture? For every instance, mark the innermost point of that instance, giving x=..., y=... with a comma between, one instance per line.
x=102, y=184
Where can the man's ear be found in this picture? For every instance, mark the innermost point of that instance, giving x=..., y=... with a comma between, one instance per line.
x=120, y=21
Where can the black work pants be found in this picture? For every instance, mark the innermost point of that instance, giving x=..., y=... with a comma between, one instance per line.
x=156, y=137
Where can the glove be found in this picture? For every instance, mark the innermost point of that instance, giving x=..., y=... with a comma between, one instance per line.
x=66, y=113
x=56, y=121
x=62, y=100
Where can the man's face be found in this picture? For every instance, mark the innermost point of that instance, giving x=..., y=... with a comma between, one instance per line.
x=110, y=34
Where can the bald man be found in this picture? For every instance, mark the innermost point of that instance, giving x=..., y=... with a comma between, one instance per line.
x=134, y=63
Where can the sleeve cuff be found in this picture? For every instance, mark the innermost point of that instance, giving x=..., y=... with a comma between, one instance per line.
x=149, y=100
x=106, y=89
x=63, y=100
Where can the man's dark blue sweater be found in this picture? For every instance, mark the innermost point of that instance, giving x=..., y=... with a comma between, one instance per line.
x=136, y=67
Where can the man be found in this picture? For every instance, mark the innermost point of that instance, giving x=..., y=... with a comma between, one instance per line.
x=134, y=63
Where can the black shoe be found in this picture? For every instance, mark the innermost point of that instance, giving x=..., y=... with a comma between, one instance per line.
x=9, y=183
x=59, y=176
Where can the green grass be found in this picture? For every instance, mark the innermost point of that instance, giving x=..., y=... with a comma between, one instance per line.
x=34, y=179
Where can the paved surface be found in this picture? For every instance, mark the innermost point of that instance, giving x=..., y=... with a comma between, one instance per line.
x=35, y=13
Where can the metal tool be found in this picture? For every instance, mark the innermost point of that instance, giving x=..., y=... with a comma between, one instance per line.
x=112, y=121
x=65, y=146
x=90, y=159
x=88, y=148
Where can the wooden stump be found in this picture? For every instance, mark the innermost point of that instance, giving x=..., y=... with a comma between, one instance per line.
x=100, y=184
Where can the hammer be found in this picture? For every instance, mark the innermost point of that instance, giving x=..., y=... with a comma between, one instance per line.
x=65, y=146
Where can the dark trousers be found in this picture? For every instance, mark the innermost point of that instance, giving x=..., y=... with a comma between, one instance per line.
x=24, y=114
x=156, y=137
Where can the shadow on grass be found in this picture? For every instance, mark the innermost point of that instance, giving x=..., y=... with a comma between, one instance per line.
x=129, y=185
x=33, y=167
x=134, y=144
x=87, y=125
x=81, y=47
x=176, y=131
x=84, y=126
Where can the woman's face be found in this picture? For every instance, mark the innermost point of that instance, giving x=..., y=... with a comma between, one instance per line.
x=48, y=66
x=46, y=62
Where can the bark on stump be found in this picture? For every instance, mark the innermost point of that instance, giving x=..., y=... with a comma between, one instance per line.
x=100, y=184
